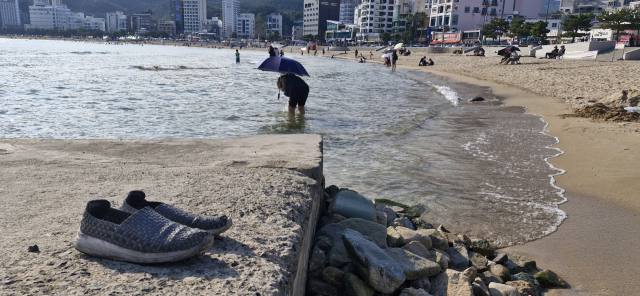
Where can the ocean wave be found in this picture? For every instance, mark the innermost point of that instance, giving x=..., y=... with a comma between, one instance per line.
x=449, y=94
x=170, y=68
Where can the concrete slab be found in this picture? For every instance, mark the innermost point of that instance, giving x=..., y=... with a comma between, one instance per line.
x=267, y=184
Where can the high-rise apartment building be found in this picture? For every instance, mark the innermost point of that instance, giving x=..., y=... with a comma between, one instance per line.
x=145, y=21
x=246, y=25
x=317, y=12
x=473, y=14
x=401, y=9
x=376, y=17
x=14, y=13
x=176, y=12
x=229, y=17
x=194, y=14
x=274, y=23
x=347, y=9
x=115, y=21
x=50, y=17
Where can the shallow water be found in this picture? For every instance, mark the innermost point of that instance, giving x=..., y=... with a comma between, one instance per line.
x=479, y=168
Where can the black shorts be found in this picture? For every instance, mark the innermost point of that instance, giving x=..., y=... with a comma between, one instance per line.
x=298, y=96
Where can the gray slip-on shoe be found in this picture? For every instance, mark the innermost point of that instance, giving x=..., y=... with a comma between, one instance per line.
x=142, y=237
x=214, y=225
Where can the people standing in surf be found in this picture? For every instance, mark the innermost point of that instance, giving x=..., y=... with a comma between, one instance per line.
x=237, y=57
x=296, y=89
x=272, y=52
x=394, y=59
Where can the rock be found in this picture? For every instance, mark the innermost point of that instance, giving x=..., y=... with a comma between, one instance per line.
x=464, y=239
x=484, y=252
x=414, y=292
x=439, y=284
x=481, y=243
x=477, y=99
x=437, y=240
x=324, y=243
x=479, y=288
x=501, y=272
x=332, y=190
x=349, y=268
x=333, y=276
x=459, y=257
x=470, y=273
x=478, y=261
x=338, y=256
x=381, y=218
x=350, y=204
x=374, y=231
x=524, y=288
x=404, y=222
x=316, y=273
x=318, y=287
x=354, y=286
x=413, y=266
x=527, y=264
x=496, y=289
x=550, y=279
x=442, y=229
x=375, y=267
x=488, y=277
x=397, y=209
x=513, y=267
x=623, y=98
x=317, y=258
x=527, y=278
x=452, y=239
x=411, y=235
x=33, y=249
x=391, y=215
x=500, y=258
x=441, y=258
x=458, y=284
x=331, y=218
x=418, y=223
x=418, y=249
x=421, y=283
x=394, y=239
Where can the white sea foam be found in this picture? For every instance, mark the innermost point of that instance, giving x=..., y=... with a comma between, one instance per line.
x=449, y=94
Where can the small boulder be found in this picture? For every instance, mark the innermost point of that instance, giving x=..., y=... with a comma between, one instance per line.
x=317, y=258
x=550, y=279
x=477, y=99
x=354, y=286
x=391, y=215
x=413, y=266
x=381, y=218
x=524, y=262
x=481, y=243
x=470, y=273
x=501, y=272
x=439, y=284
x=350, y=204
x=489, y=253
x=324, y=243
x=496, y=289
x=464, y=239
x=375, y=267
x=441, y=258
x=414, y=292
x=459, y=257
x=479, y=288
x=478, y=261
x=397, y=209
x=418, y=223
x=524, y=288
x=442, y=229
x=488, y=277
x=527, y=278
x=418, y=249
x=437, y=240
x=332, y=190
x=459, y=284
x=394, y=238
x=404, y=222
x=330, y=219
x=421, y=283
x=410, y=235
x=513, y=267
x=500, y=258
x=452, y=239
x=374, y=231
x=318, y=287
x=333, y=276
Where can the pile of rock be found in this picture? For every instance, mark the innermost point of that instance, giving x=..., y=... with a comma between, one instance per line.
x=362, y=248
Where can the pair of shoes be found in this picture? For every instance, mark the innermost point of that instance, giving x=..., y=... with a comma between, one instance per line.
x=143, y=234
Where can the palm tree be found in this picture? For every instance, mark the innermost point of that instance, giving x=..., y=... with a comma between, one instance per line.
x=410, y=18
x=420, y=17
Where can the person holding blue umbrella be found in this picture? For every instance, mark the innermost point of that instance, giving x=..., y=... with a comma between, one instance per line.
x=293, y=86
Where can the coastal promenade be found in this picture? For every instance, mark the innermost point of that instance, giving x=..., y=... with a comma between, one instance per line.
x=268, y=185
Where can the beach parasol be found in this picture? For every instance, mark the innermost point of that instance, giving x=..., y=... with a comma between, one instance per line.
x=513, y=48
x=304, y=48
x=283, y=65
x=386, y=56
x=398, y=46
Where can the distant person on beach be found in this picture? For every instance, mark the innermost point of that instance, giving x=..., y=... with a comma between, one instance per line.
x=394, y=59
x=430, y=63
x=315, y=53
x=356, y=53
x=296, y=89
x=282, y=53
x=370, y=55
x=423, y=61
x=361, y=60
x=272, y=52
x=505, y=56
x=237, y=57
x=323, y=51
x=277, y=52
x=553, y=53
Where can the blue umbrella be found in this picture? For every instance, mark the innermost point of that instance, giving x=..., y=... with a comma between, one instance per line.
x=283, y=65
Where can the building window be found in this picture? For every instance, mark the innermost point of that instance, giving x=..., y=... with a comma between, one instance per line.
x=554, y=25
x=467, y=9
x=476, y=10
x=446, y=20
x=454, y=20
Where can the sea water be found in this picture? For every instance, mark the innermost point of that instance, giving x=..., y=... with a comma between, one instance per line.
x=478, y=168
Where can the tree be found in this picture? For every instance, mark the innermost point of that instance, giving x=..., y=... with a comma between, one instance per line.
x=616, y=21
x=520, y=29
x=539, y=29
x=386, y=37
x=496, y=28
x=634, y=23
x=274, y=36
x=409, y=23
x=577, y=25
x=420, y=17
x=307, y=38
x=407, y=37
x=396, y=37
x=234, y=35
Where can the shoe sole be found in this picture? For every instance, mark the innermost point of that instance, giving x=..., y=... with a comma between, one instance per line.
x=99, y=248
x=222, y=229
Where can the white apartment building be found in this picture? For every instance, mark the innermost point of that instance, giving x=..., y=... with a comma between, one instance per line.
x=229, y=17
x=194, y=14
x=347, y=9
x=376, y=17
x=297, y=32
x=94, y=23
x=274, y=23
x=49, y=17
x=356, y=15
x=316, y=13
x=9, y=13
x=246, y=26
x=116, y=21
x=466, y=15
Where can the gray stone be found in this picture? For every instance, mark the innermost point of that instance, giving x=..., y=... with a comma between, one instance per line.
x=459, y=257
x=374, y=231
x=324, y=243
x=477, y=99
x=332, y=190
x=413, y=266
x=391, y=215
x=414, y=292
x=394, y=239
x=441, y=258
x=410, y=235
x=527, y=264
x=331, y=218
x=375, y=267
x=349, y=268
x=317, y=258
x=381, y=218
x=354, y=286
x=442, y=229
x=318, y=287
x=459, y=284
x=501, y=272
x=439, y=284
x=522, y=276
x=478, y=261
x=437, y=240
x=333, y=276
x=316, y=273
x=350, y=204
x=338, y=256
x=481, y=243
x=496, y=289
x=489, y=253
x=500, y=258
x=479, y=288
x=470, y=273
x=404, y=222
x=464, y=239
x=513, y=267
x=397, y=209
x=524, y=288
x=421, y=283
x=418, y=249
x=488, y=277
x=418, y=223
x=550, y=279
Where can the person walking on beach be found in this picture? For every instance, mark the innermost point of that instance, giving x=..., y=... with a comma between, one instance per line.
x=394, y=59
x=296, y=89
x=356, y=54
x=237, y=57
x=277, y=52
x=272, y=52
x=323, y=51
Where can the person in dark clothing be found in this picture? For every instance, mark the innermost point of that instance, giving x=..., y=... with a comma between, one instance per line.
x=296, y=89
x=553, y=53
x=394, y=59
x=356, y=53
x=430, y=63
x=423, y=61
x=272, y=51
